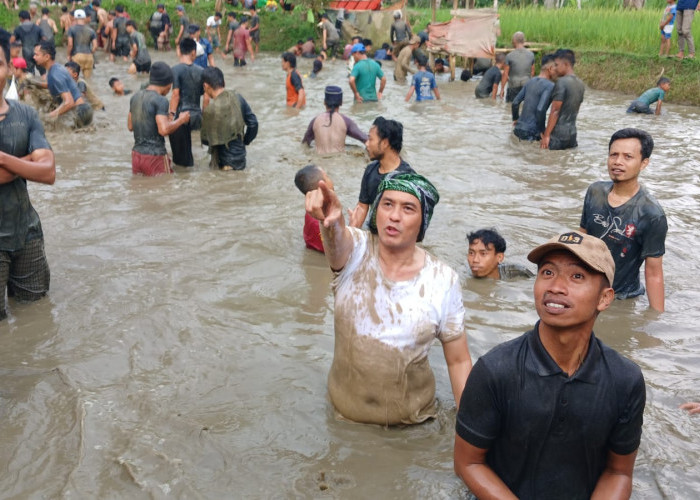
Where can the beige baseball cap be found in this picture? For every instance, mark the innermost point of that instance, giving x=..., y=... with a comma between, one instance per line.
x=591, y=250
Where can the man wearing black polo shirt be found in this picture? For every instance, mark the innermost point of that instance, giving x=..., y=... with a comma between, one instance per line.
x=554, y=413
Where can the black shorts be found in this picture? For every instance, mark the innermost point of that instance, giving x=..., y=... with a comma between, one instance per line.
x=238, y=62
x=143, y=68
x=121, y=48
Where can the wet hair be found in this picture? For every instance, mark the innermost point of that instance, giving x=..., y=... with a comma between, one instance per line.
x=386, y=46
x=213, y=77
x=518, y=37
x=5, y=44
x=500, y=58
x=567, y=55
x=45, y=10
x=645, y=140
x=64, y=9
x=663, y=80
x=217, y=14
x=421, y=60
x=112, y=81
x=466, y=75
x=48, y=48
x=547, y=59
x=367, y=42
x=306, y=179
x=187, y=46
x=24, y=14
x=132, y=23
x=488, y=237
x=390, y=130
x=300, y=42
x=318, y=66
x=290, y=58
x=119, y=8
x=231, y=14
x=73, y=66
x=95, y=3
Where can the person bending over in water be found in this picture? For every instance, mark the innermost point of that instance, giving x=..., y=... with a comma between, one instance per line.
x=642, y=104
x=392, y=300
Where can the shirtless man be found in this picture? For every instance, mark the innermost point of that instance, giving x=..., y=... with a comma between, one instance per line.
x=328, y=134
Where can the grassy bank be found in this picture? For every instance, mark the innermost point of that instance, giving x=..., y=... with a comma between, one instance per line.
x=616, y=49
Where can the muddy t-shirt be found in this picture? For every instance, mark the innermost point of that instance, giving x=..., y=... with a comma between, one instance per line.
x=383, y=332
x=491, y=77
x=144, y=106
x=520, y=62
x=331, y=32
x=569, y=90
x=82, y=39
x=188, y=78
x=30, y=35
x=21, y=133
x=59, y=81
x=633, y=231
x=142, y=56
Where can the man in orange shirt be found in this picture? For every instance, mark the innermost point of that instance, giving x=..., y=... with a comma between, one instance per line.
x=296, y=96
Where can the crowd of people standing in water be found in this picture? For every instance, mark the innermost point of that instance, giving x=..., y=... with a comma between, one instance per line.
x=558, y=392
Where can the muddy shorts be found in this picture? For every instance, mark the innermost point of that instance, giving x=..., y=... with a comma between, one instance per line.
x=639, y=107
x=24, y=274
x=238, y=62
x=121, y=47
x=150, y=165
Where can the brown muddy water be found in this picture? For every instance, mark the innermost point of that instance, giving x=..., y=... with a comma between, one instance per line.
x=184, y=346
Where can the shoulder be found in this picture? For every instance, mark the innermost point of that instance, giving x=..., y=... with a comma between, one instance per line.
x=501, y=359
x=624, y=373
x=653, y=207
x=371, y=168
x=405, y=167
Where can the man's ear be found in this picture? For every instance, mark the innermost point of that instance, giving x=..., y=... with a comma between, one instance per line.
x=500, y=256
x=607, y=295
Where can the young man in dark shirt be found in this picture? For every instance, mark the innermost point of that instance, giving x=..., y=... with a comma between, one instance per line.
x=186, y=96
x=30, y=35
x=488, y=86
x=384, y=144
x=149, y=121
x=296, y=95
x=567, y=97
x=25, y=155
x=628, y=219
x=534, y=97
x=554, y=413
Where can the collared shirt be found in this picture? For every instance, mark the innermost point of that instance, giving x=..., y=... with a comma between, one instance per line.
x=547, y=433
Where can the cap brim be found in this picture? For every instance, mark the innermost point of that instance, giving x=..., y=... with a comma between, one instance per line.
x=536, y=255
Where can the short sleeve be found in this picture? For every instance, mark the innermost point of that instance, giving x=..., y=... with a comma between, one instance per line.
x=161, y=106
x=365, y=196
x=584, y=212
x=295, y=80
x=452, y=320
x=176, y=78
x=355, y=70
x=627, y=432
x=433, y=83
x=559, y=92
x=653, y=244
x=37, y=137
x=380, y=72
x=478, y=418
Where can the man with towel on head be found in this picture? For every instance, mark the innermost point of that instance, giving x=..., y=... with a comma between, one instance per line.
x=328, y=134
x=392, y=300
x=228, y=123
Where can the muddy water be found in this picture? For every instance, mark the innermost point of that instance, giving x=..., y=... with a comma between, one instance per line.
x=184, y=347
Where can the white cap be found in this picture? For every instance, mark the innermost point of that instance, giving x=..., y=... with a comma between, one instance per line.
x=79, y=14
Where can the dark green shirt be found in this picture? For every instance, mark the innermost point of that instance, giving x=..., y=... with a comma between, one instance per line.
x=21, y=133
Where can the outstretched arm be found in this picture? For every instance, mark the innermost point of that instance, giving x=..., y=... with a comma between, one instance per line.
x=693, y=408
x=323, y=204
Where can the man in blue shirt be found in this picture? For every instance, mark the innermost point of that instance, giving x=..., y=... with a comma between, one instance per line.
x=535, y=98
x=205, y=52
x=62, y=85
